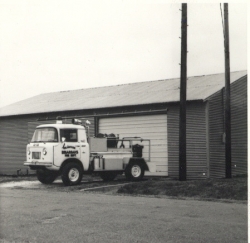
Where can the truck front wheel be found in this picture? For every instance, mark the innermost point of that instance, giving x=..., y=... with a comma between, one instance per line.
x=108, y=176
x=46, y=176
x=134, y=171
x=72, y=174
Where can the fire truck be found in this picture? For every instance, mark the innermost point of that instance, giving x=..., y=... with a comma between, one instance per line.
x=68, y=151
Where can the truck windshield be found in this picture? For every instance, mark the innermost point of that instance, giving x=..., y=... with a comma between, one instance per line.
x=45, y=134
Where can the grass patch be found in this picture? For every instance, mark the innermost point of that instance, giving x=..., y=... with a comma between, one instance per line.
x=233, y=189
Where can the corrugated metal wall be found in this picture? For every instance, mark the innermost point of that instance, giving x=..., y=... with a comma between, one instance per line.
x=13, y=140
x=238, y=130
x=239, y=126
x=15, y=133
x=196, y=141
x=216, y=129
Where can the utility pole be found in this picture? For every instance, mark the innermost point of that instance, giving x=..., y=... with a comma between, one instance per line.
x=183, y=95
x=227, y=95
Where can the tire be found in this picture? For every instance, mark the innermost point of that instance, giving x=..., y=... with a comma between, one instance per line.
x=108, y=176
x=46, y=176
x=134, y=171
x=72, y=174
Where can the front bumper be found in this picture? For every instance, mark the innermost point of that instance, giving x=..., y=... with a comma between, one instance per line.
x=37, y=163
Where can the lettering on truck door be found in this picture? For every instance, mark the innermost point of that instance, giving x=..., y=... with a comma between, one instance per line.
x=69, y=148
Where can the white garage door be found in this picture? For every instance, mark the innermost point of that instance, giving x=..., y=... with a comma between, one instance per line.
x=153, y=127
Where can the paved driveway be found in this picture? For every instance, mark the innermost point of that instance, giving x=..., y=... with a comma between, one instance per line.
x=40, y=214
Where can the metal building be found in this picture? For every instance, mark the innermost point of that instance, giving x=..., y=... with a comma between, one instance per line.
x=149, y=110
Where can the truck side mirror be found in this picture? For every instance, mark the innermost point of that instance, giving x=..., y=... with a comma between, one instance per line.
x=63, y=139
x=87, y=123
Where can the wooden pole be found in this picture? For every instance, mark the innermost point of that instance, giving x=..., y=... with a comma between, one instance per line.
x=183, y=94
x=227, y=95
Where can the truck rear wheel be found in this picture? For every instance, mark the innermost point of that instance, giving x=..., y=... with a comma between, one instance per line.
x=72, y=174
x=108, y=175
x=46, y=176
x=134, y=171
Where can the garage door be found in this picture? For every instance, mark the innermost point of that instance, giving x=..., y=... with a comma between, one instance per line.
x=153, y=127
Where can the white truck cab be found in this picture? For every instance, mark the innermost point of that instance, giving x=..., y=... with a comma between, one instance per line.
x=67, y=150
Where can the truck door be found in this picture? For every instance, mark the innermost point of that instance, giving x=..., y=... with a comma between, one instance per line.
x=75, y=145
x=84, y=148
x=69, y=148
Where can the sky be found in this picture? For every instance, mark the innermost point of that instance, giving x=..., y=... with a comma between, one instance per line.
x=58, y=45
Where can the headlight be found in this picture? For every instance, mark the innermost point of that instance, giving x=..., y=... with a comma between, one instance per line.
x=44, y=151
x=28, y=152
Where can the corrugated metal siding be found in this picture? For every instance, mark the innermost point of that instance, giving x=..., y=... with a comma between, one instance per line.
x=196, y=141
x=238, y=130
x=173, y=141
x=239, y=126
x=216, y=129
x=13, y=140
x=153, y=127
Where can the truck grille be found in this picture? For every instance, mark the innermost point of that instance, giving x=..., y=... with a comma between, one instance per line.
x=36, y=155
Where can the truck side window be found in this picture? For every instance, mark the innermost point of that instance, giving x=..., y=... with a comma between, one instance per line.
x=69, y=134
